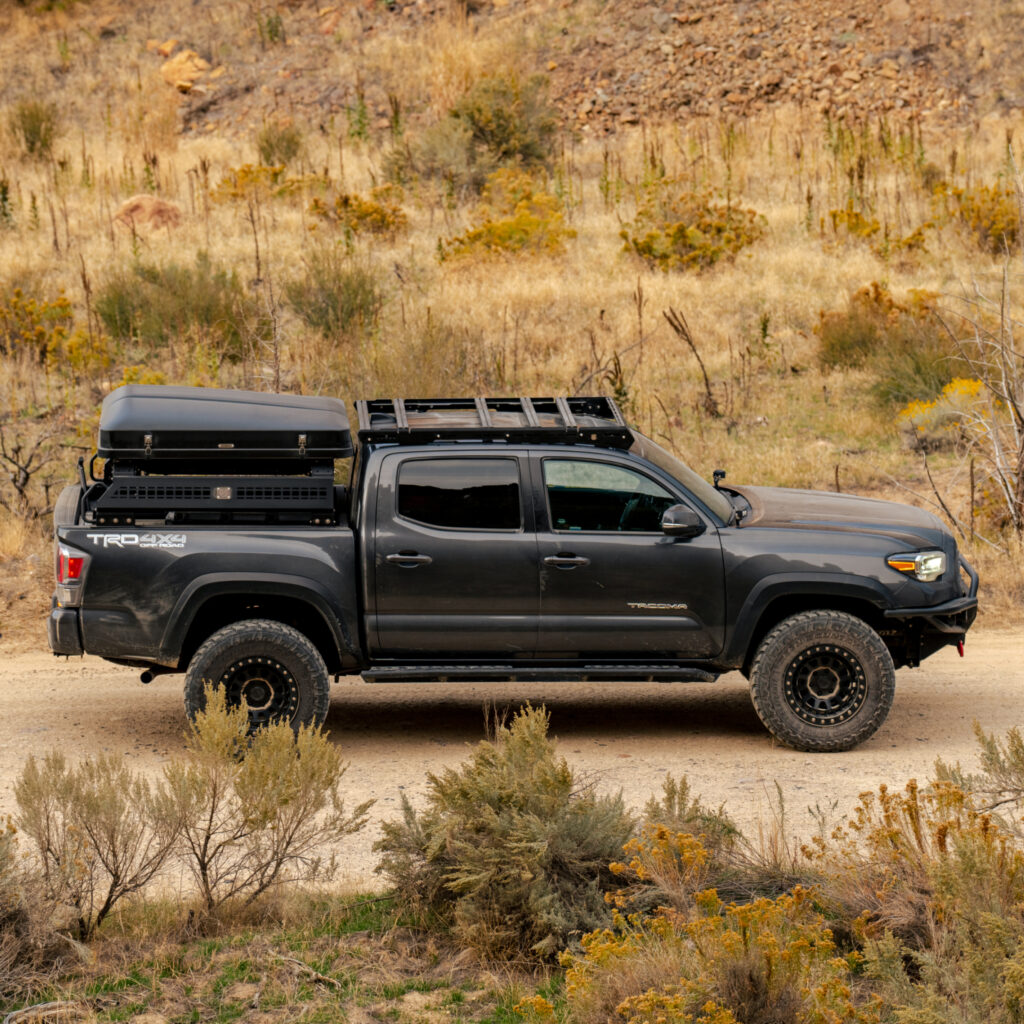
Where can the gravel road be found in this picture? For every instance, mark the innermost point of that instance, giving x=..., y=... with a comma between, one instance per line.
x=628, y=736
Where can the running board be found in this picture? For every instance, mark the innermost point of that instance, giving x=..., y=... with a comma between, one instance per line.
x=515, y=673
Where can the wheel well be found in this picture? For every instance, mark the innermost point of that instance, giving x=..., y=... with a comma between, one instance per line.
x=783, y=607
x=224, y=609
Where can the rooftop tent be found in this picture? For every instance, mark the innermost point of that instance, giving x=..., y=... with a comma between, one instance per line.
x=144, y=422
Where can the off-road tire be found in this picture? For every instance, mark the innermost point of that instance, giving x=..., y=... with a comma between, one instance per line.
x=272, y=667
x=822, y=681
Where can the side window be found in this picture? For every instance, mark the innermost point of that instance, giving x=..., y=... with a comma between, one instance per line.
x=461, y=494
x=591, y=496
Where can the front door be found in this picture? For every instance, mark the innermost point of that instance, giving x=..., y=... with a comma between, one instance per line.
x=455, y=559
x=612, y=584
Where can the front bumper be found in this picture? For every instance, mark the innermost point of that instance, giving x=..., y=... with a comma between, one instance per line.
x=63, y=629
x=951, y=617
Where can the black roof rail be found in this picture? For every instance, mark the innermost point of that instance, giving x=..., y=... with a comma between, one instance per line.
x=594, y=420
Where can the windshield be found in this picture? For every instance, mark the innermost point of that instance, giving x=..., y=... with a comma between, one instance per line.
x=714, y=499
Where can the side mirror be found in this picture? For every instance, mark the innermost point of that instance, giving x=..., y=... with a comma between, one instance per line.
x=681, y=521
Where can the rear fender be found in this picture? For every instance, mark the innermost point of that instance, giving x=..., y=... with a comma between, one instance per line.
x=255, y=585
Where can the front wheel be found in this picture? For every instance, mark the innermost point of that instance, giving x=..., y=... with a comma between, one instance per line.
x=822, y=681
x=271, y=669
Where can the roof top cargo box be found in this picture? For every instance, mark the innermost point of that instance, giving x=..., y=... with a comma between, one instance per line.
x=177, y=423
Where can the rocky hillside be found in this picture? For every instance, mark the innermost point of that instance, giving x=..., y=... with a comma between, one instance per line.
x=609, y=64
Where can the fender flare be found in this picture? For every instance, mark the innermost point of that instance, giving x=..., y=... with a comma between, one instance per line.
x=300, y=588
x=825, y=585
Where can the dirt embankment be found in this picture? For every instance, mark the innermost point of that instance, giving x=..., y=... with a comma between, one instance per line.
x=627, y=736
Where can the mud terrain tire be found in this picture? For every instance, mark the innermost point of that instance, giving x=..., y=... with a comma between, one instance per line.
x=272, y=668
x=822, y=681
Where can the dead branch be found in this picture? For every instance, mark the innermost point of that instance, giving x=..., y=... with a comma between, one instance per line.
x=307, y=972
x=39, y=1011
x=678, y=323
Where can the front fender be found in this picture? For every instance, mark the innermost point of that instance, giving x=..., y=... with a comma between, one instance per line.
x=823, y=586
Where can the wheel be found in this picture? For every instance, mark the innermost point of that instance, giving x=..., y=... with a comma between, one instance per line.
x=271, y=668
x=822, y=681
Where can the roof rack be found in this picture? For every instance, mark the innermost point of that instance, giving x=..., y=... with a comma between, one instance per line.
x=592, y=420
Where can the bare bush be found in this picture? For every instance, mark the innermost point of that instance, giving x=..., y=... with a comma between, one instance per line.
x=991, y=426
x=254, y=812
x=90, y=826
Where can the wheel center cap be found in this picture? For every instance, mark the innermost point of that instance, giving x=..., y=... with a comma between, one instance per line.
x=257, y=693
x=824, y=683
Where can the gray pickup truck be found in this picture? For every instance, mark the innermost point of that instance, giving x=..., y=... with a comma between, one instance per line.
x=482, y=539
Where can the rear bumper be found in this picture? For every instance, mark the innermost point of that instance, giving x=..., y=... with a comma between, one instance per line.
x=64, y=631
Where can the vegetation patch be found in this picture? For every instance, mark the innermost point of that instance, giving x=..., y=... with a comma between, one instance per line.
x=676, y=228
x=160, y=303
x=515, y=217
x=902, y=343
x=379, y=213
x=337, y=295
x=510, y=853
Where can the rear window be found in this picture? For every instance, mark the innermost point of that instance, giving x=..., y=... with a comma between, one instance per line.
x=461, y=494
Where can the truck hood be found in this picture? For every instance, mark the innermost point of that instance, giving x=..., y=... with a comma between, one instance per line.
x=788, y=508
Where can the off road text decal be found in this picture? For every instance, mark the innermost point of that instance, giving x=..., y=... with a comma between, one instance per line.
x=137, y=540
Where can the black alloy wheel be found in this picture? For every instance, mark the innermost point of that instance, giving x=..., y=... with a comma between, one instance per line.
x=271, y=669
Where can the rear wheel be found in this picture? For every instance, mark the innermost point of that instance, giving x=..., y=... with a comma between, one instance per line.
x=822, y=681
x=271, y=669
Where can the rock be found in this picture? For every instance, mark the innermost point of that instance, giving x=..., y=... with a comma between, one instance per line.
x=165, y=49
x=184, y=70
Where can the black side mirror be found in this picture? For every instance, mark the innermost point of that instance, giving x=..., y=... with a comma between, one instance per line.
x=681, y=521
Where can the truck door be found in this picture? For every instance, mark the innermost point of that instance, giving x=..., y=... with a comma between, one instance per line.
x=455, y=559
x=612, y=584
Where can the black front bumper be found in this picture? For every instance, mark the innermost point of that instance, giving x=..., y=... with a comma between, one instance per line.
x=951, y=617
x=64, y=631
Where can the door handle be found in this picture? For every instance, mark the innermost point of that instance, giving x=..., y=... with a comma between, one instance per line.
x=566, y=561
x=408, y=559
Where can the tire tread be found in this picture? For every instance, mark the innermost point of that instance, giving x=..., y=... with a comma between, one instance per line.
x=787, y=728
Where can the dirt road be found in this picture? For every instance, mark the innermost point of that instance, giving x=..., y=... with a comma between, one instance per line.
x=629, y=736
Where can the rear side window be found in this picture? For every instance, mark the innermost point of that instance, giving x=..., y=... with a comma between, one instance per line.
x=461, y=494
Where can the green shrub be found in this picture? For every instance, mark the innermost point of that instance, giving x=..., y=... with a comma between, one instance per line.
x=157, y=304
x=676, y=228
x=35, y=125
x=500, y=121
x=903, y=344
x=511, y=851
x=508, y=118
x=255, y=812
x=278, y=143
x=515, y=216
x=444, y=151
x=337, y=294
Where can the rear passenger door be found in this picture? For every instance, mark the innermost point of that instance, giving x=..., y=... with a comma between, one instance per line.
x=455, y=560
x=613, y=585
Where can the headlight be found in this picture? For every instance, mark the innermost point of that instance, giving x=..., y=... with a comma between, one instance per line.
x=923, y=565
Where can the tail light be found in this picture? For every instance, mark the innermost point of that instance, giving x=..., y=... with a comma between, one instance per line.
x=70, y=565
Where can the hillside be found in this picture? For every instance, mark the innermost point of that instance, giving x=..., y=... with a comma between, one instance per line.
x=610, y=64
x=364, y=198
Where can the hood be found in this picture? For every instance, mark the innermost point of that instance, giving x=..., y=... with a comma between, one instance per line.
x=784, y=507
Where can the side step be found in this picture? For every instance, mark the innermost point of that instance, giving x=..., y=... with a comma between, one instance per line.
x=517, y=673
